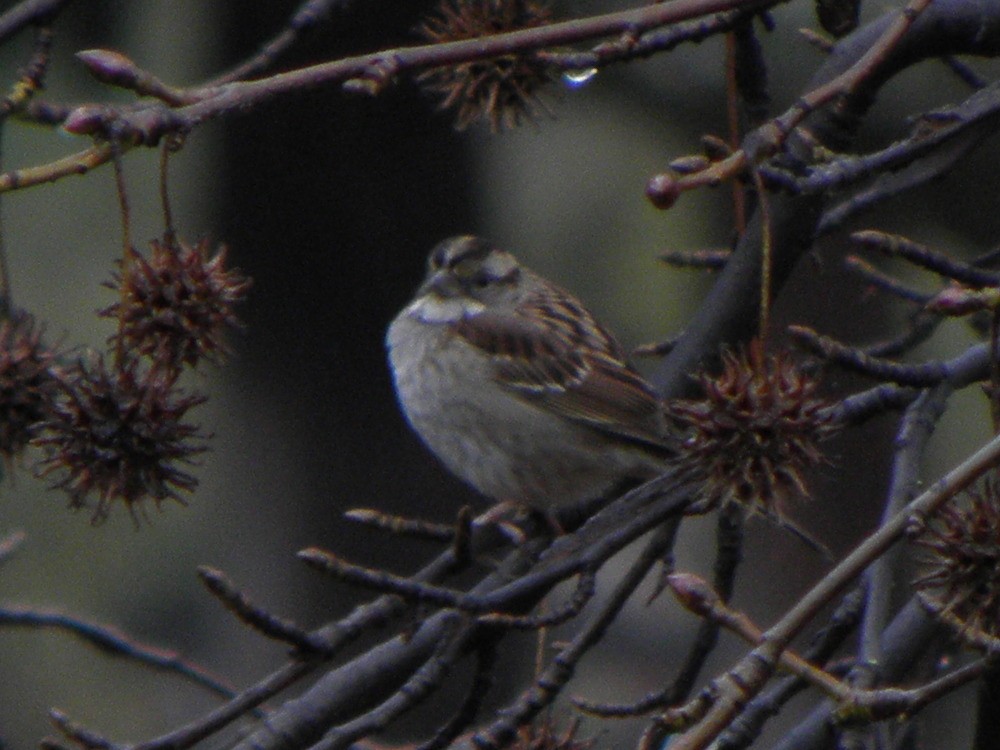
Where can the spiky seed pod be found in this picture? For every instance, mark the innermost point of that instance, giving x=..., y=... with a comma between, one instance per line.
x=174, y=306
x=754, y=433
x=28, y=383
x=962, y=582
x=120, y=434
x=502, y=89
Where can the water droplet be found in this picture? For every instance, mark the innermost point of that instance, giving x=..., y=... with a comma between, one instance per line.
x=577, y=78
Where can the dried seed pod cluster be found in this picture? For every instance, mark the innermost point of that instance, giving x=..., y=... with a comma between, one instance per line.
x=961, y=584
x=29, y=383
x=503, y=89
x=176, y=304
x=119, y=433
x=115, y=426
x=754, y=433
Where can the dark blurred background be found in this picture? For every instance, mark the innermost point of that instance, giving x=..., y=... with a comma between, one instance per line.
x=330, y=202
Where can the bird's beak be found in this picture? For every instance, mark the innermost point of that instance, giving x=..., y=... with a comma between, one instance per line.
x=441, y=283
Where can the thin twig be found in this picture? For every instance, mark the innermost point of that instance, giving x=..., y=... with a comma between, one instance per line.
x=75, y=164
x=879, y=704
x=583, y=593
x=482, y=681
x=630, y=47
x=79, y=735
x=401, y=525
x=27, y=13
x=548, y=684
x=918, y=329
x=263, y=622
x=748, y=725
x=306, y=17
x=33, y=76
x=115, y=69
x=936, y=132
x=335, y=637
x=728, y=555
x=964, y=73
x=916, y=375
x=414, y=691
x=923, y=256
x=861, y=407
x=854, y=76
x=112, y=641
x=389, y=583
x=883, y=281
x=697, y=596
x=708, y=260
x=970, y=366
x=170, y=145
x=914, y=432
x=932, y=161
x=910, y=633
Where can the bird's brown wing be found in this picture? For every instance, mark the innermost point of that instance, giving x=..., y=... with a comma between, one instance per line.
x=552, y=352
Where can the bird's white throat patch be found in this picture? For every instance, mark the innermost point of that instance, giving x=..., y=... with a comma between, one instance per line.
x=434, y=309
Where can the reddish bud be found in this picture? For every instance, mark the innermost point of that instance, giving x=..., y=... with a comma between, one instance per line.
x=662, y=190
x=957, y=300
x=693, y=592
x=109, y=67
x=86, y=120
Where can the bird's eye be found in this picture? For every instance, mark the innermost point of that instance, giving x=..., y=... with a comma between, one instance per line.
x=481, y=280
x=466, y=268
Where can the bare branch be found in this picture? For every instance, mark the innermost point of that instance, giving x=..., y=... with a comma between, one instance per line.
x=27, y=13
x=110, y=640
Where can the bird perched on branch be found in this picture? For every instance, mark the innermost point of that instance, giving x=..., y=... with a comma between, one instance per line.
x=516, y=387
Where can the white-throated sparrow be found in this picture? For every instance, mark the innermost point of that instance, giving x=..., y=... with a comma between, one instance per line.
x=516, y=387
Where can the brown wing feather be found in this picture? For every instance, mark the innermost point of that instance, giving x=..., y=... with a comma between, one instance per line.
x=553, y=352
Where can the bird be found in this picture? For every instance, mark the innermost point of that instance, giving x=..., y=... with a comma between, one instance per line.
x=517, y=388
